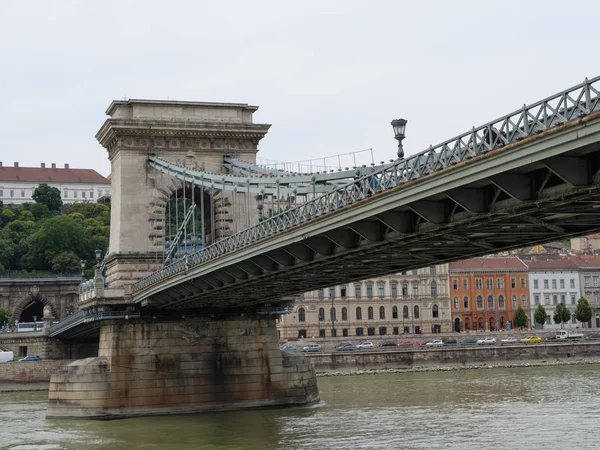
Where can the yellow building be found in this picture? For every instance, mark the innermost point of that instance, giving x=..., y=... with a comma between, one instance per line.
x=416, y=301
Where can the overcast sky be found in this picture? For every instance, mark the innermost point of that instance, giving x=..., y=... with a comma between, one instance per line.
x=328, y=75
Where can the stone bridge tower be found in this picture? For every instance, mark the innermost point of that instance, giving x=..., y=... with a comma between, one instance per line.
x=195, y=134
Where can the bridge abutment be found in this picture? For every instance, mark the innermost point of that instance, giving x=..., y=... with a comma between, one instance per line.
x=186, y=366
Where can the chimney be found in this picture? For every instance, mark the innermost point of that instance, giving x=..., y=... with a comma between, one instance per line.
x=66, y=166
x=16, y=164
x=43, y=165
x=54, y=165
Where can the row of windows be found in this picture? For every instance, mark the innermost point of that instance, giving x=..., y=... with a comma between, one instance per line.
x=561, y=283
x=84, y=194
x=404, y=289
x=360, y=331
x=12, y=193
x=549, y=319
x=489, y=283
x=490, y=302
x=587, y=281
x=555, y=299
x=435, y=312
x=479, y=324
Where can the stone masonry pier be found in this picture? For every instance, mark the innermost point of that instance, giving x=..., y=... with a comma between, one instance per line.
x=198, y=365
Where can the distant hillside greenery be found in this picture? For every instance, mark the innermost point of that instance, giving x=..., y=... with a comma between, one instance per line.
x=49, y=237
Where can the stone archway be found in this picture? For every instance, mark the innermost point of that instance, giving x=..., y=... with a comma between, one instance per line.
x=22, y=304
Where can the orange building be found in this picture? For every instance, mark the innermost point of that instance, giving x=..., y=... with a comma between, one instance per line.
x=486, y=292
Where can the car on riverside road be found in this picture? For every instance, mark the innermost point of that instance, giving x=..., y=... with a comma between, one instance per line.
x=404, y=344
x=288, y=348
x=312, y=348
x=345, y=347
x=387, y=344
x=531, y=339
x=468, y=341
x=435, y=343
x=593, y=336
x=487, y=341
x=30, y=358
x=509, y=340
x=450, y=341
x=364, y=345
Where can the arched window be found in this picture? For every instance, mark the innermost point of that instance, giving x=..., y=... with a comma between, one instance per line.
x=466, y=302
x=434, y=311
x=433, y=288
x=394, y=312
x=381, y=312
x=344, y=313
x=301, y=315
x=466, y=323
x=456, y=303
x=481, y=323
x=514, y=302
x=490, y=302
x=321, y=314
x=491, y=323
x=501, y=302
x=501, y=321
x=370, y=313
x=416, y=312
x=524, y=301
x=358, y=313
x=332, y=314
x=479, y=302
x=405, y=312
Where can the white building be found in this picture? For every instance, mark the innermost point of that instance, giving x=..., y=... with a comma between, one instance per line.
x=551, y=282
x=17, y=184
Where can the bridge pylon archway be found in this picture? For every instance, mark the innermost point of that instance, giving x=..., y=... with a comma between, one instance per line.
x=197, y=135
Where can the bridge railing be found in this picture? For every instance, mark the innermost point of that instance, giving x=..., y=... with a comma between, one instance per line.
x=526, y=121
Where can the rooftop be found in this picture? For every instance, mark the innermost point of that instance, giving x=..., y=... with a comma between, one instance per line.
x=490, y=263
x=50, y=174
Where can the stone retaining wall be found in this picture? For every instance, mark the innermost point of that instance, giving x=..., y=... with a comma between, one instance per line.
x=30, y=371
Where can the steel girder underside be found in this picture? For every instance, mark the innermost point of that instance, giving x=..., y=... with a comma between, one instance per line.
x=540, y=189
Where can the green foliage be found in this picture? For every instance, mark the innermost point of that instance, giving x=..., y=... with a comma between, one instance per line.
x=4, y=316
x=583, y=312
x=562, y=314
x=66, y=262
x=540, y=315
x=56, y=235
x=49, y=196
x=520, y=318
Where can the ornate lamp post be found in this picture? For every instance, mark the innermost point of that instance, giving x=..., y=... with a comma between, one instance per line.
x=98, y=256
x=82, y=264
x=399, y=126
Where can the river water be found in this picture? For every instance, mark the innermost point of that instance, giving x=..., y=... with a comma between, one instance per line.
x=555, y=407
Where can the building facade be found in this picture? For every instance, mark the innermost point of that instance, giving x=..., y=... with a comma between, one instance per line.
x=589, y=279
x=409, y=302
x=486, y=292
x=17, y=184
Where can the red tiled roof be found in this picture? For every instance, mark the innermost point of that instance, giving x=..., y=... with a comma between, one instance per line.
x=587, y=260
x=551, y=264
x=51, y=175
x=593, y=236
x=494, y=263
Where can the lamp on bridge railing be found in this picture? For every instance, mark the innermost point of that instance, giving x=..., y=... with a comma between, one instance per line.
x=98, y=256
x=82, y=264
x=399, y=126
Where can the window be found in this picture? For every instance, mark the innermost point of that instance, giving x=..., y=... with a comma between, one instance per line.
x=371, y=331
x=465, y=284
x=586, y=280
x=332, y=314
x=563, y=298
x=380, y=289
x=433, y=288
x=357, y=290
x=546, y=299
x=414, y=271
x=331, y=292
x=22, y=192
x=546, y=284
x=404, y=289
x=435, y=311
x=394, y=312
x=432, y=270
x=455, y=284
x=12, y=193
x=66, y=194
x=359, y=332
x=99, y=193
x=344, y=313
x=561, y=283
x=466, y=302
x=490, y=302
x=321, y=314
x=456, y=303
x=343, y=291
x=466, y=323
x=321, y=293
x=394, y=288
x=359, y=314
x=370, y=313
x=514, y=302
x=478, y=283
x=501, y=302
x=479, y=302
x=406, y=330
x=381, y=312
x=370, y=290
x=489, y=283
x=91, y=194
x=74, y=194
x=1, y=193
x=302, y=334
x=536, y=299
x=405, y=312
x=548, y=320
x=322, y=333
x=416, y=312
x=500, y=283
x=415, y=289
x=417, y=330
x=396, y=330
x=83, y=194
x=523, y=283
x=301, y=315
x=382, y=331
x=481, y=323
x=513, y=283
x=345, y=332
x=524, y=301
x=555, y=299
x=553, y=284
x=536, y=284
x=573, y=318
x=572, y=299
x=595, y=281
x=572, y=283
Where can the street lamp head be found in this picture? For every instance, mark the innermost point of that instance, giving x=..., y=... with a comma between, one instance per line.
x=98, y=254
x=399, y=126
x=82, y=264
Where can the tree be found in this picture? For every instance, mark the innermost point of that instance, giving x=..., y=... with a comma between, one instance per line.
x=583, y=312
x=4, y=316
x=49, y=196
x=66, y=262
x=520, y=318
x=540, y=315
x=562, y=314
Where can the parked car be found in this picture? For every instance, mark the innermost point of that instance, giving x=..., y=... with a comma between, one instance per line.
x=346, y=347
x=312, y=348
x=422, y=343
x=531, y=339
x=435, y=343
x=387, y=344
x=468, y=341
x=451, y=341
x=487, y=341
x=509, y=340
x=366, y=344
x=30, y=358
x=288, y=348
x=593, y=336
x=404, y=344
